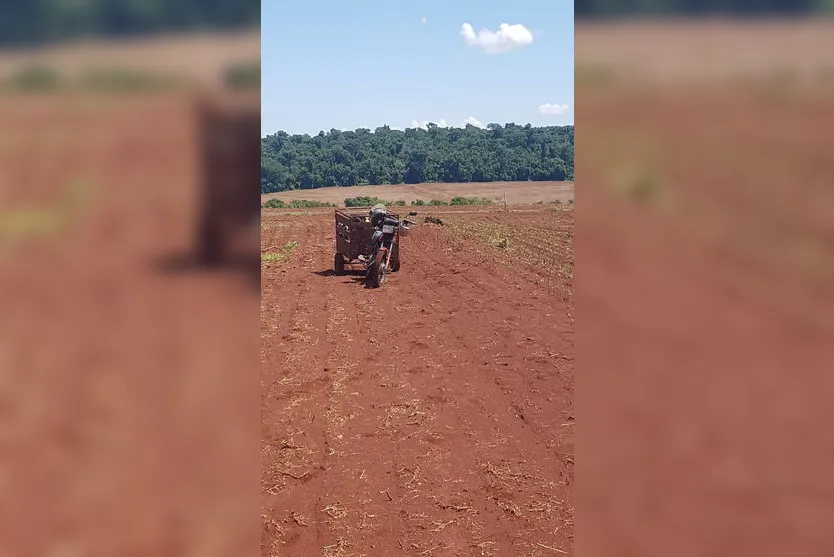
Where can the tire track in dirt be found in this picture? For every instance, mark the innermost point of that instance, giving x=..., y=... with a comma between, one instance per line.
x=293, y=444
x=319, y=361
x=443, y=423
x=503, y=402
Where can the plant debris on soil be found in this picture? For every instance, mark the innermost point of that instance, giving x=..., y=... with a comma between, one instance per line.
x=432, y=416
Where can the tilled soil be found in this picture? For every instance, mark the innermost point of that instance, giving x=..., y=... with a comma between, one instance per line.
x=123, y=424
x=707, y=310
x=432, y=416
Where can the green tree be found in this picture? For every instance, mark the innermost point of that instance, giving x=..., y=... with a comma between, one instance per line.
x=386, y=156
x=39, y=21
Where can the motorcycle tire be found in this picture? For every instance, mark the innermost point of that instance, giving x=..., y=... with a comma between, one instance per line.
x=376, y=271
x=395, y=259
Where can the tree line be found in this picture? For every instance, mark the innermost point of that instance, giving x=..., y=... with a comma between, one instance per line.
x=41, y=21
x=614, y=8
x=388, y=156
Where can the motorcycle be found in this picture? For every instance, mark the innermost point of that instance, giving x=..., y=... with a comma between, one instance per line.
x=385, y=253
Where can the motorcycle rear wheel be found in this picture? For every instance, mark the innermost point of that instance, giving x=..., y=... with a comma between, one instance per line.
x=376, y=272
x=395, y=258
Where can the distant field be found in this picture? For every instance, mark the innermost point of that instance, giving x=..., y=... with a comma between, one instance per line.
x=198, y=57
x=706, y=50
x=516, y=192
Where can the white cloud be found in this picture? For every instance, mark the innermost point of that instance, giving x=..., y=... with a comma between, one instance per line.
x=550, y=109
x=424, y=125
x=423, y=20
x=507, y=38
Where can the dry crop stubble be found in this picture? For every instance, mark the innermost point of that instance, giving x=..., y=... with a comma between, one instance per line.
x=514, y=193
x=707, y=252
x=413, y=401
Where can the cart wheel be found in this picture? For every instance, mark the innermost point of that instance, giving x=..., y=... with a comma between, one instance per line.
x=339, y=264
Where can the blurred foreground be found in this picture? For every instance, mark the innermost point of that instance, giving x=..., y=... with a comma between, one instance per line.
x=126, y=413
x=705, y=288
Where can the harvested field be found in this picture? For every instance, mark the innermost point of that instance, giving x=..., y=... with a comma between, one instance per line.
x=516, y=192
x=196, y=57
x=113, y=356
x=707, y=291
x=715, y=285
x=704, y=50
x=432, y=416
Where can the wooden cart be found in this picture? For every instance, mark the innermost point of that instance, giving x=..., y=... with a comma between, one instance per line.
x=229, y=208
x=354, y=232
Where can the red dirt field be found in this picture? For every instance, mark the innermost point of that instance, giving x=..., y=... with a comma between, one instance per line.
x=708, y=304
x=432, y=416
x=114, y=358
x=514, y=192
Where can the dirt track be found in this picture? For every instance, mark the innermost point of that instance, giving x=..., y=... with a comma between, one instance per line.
x=433, y=416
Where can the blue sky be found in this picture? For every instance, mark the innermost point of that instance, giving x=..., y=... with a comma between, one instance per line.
x=368, y=63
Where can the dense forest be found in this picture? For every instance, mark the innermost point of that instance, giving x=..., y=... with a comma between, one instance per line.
x=40, y=21
x=387, y=156
x=617, y=8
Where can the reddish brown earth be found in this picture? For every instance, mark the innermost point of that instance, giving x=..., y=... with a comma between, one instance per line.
x=432, y=416
x=707, y=315
x=121, y=424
